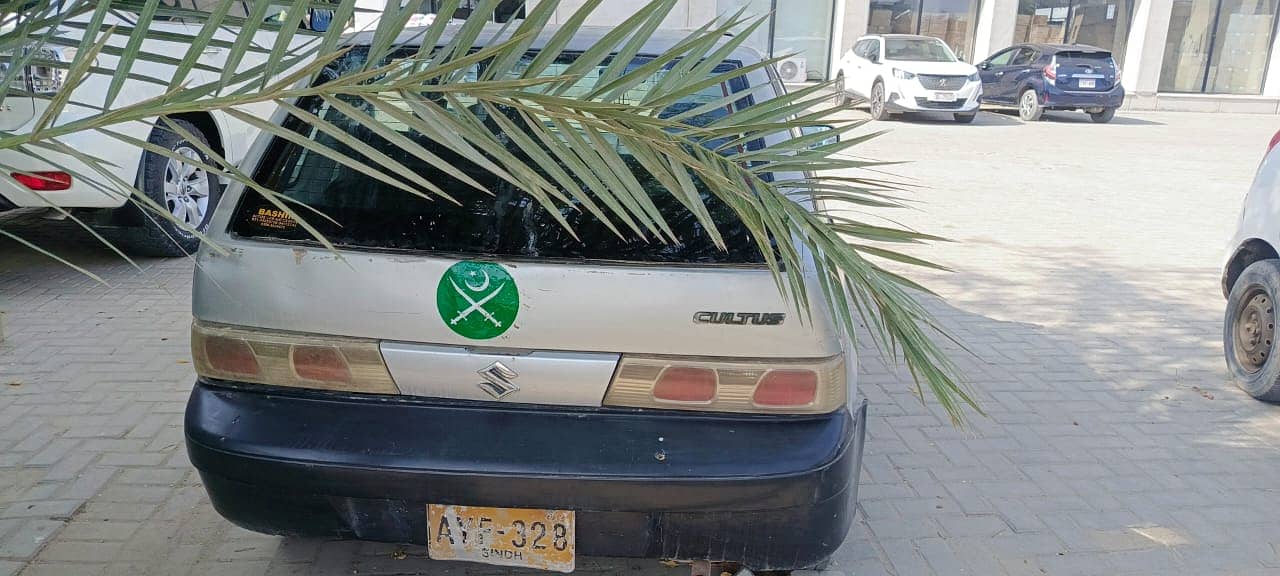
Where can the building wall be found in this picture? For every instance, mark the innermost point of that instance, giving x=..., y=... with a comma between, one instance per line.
x=1143, y=57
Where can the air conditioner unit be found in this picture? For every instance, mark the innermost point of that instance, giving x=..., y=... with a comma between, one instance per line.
x=794, y=69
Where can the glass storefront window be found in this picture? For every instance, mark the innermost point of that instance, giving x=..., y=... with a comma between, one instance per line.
x=1101, y=23
x=951, y=20
x=893, y=17
x=1217, y=46
x=805, y=28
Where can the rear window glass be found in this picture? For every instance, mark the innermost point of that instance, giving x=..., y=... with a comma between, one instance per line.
x=371, y=214
x=1088, y=57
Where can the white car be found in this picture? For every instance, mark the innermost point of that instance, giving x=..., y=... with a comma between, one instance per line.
x=1251, y=283
x=62, y=181
x=906, y=73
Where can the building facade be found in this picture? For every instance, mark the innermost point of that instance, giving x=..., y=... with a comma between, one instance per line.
x=1204, y=55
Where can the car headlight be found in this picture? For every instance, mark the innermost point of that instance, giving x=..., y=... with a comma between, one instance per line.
x=975, y=77
x=903, y=74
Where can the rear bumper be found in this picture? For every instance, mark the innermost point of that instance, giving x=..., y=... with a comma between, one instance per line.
x=770, y=492
x=1057, y=99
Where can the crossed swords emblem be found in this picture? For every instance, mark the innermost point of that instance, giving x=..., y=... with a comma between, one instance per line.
x=476, y=306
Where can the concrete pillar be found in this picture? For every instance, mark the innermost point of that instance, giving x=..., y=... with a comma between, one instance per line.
x=853, y=23
x=837, y=38
x=996, y=22
x=1145, y=53
x=1271, y=82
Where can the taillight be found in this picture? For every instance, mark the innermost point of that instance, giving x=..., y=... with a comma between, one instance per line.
x=1051, y=72
x=1274, y=140
x=808, y=386
x=230, y=355
x=287, y=359
x=786, y=389
x=43, y=181
x=682, y=384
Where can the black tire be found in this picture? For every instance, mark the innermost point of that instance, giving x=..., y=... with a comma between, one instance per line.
x=1104, y=116
x=1029, y=108
x=879, y=109
x=1248, y=331
x=964, y=118
x=159, y=236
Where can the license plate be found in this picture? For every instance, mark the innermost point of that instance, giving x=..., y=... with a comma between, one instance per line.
x=524, y=537
x=1088, y=83
x=942, y=97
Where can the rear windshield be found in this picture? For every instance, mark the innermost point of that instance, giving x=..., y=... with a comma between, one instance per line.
x=368, y=213
x=917, y=50
x=1093, y=58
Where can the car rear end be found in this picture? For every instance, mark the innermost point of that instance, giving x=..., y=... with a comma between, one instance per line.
x=1082, y=79
x=473, y=371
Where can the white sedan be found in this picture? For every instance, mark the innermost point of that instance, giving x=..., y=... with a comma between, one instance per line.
x=906, y=73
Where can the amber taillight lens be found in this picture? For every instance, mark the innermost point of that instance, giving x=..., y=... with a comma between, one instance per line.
x=787, y=386
x=276, y=358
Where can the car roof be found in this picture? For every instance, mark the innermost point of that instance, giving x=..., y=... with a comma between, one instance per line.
x=1056, y=48
x=587, y=36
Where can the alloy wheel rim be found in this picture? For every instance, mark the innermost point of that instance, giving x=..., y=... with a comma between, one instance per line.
x=186, y=188
x=1028, y=103
x=877, y=100
x=1254, y=331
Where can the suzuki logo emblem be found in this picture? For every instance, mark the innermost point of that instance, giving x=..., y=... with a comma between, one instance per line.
x=498, y=380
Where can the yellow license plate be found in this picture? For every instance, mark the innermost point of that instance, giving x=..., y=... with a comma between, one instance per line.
x=524, y=537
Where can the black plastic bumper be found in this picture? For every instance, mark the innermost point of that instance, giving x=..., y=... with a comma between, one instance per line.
x=770, y=492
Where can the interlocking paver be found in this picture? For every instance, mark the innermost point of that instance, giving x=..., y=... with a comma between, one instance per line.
x=1086, y=290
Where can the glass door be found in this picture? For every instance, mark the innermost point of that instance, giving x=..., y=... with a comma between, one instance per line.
x=1101, y=23
x=1218, y=46
x=952, y=21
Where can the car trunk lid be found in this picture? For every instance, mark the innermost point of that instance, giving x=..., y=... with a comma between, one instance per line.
x=1086, y=70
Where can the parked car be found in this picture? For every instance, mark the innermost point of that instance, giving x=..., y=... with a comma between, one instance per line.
x=188, y=192
x=905, y=73
x=566, y=397
x=1039, y=77
x=1251, y=284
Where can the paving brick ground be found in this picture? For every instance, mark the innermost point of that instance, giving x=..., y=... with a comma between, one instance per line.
x=1086, y=288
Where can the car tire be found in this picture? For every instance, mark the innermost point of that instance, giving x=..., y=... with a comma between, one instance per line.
x=964, y=118
x=1104, y=116
x=1029, y=108
x=189, y=193
x=1248, y=334
x=878, y=107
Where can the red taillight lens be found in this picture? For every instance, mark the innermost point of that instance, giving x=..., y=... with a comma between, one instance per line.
x=231, y=355
x=680, y=384
x=786, y=389
x=256, y=356
x=1274, y=140
x=43, y=181
x=1051, y=72
x=320, y=363
x=757, y=385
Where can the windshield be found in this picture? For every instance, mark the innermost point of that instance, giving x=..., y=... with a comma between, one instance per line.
x=367, y=212
x=917, y=50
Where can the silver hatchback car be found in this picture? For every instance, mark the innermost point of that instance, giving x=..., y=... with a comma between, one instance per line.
x=472, y=378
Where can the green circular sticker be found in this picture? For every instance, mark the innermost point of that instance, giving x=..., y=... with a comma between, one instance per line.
x=478, y=300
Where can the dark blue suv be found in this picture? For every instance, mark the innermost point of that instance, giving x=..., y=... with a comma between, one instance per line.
x=1039, y=77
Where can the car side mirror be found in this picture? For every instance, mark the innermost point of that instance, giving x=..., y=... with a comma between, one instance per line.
x=984, y=65
x=874, y=58
x=808, y=130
